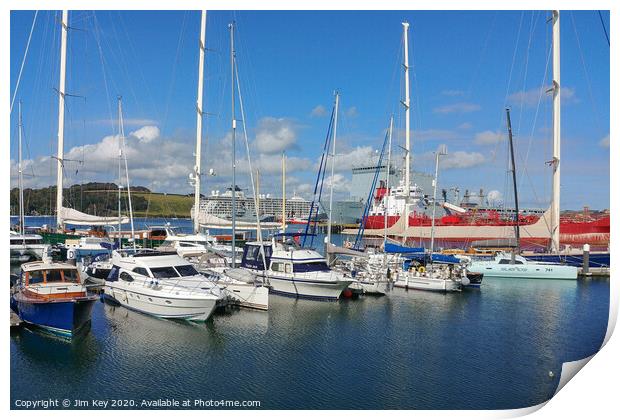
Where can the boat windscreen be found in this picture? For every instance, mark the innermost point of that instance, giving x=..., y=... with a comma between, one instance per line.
x=68, y=276
x=186, y=270
x=310, y=266
x=164, y=272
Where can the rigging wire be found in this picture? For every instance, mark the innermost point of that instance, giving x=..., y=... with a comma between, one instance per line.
x=600, y=15
x=21, y=68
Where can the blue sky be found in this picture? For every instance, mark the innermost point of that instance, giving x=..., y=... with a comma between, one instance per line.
x=466, y=67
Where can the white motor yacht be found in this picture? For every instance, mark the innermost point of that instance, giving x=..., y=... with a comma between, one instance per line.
x=26, y=247
x=294, y=271
x=161, y=284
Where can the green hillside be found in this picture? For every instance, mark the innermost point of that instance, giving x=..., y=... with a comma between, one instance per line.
x=101, y=199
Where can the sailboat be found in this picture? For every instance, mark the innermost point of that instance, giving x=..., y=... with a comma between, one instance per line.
x=242, y=290
x=66, y=215
x=23, y=246
x=516, y=266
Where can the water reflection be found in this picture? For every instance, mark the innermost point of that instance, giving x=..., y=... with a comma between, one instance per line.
x=488, y=348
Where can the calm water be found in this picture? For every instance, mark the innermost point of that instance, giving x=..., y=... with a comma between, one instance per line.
x=491, y=348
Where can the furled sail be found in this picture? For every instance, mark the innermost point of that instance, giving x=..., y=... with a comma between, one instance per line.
x=74, y=217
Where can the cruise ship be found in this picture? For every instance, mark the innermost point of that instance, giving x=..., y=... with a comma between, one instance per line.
x=270, y=208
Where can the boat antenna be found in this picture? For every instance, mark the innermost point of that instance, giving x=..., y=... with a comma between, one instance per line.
x=514, y=181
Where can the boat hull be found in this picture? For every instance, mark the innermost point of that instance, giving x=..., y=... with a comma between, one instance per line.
x=246, y=295
x=596, y=259
x=428, y=283
x=308, y=289
x=191, y=309
x=533, y=271
x=64, y=316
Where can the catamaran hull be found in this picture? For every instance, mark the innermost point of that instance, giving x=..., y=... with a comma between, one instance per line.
x=542, y=272
x=65, y=317
x=190, y=309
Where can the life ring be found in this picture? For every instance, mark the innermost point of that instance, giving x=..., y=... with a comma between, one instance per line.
x=71, y=254
x=421, y=269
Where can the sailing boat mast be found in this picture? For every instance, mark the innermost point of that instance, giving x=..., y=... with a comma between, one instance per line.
x=120, y=183
x=283, y=192
x=199, y=114
x=231, y=26
x=331, y=180
x=20, y=176
x=61, y=119
x=387, y=183
x=555, y=162
x=514, y=179
x=406, y=104
x=124, y=156
x=442, y=151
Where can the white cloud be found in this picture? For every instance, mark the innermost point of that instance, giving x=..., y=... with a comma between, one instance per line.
x=452, y=92
x=434, y=134
x=465, y=126
x=462, y=160
x=495, y=198
x=604, y=143
x=274, y=135
x=457, y=108
x=361, y=155
x=488, y=137
x=351, y=112
x=318, y=111
x=531, y=97
x=341, y=184
x=146, y=134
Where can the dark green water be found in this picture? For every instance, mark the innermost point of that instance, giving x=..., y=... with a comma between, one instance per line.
x=486, y=349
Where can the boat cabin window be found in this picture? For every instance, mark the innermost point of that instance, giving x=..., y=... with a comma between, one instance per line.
x=311, y=266
x=164, y=272
x=141, y=271
x=186, y=270
x=506, y=261
x=35, y=277
x=159, y=232
x=126, y=276
x=167, y=243
x=113, y=276
x=277, y=266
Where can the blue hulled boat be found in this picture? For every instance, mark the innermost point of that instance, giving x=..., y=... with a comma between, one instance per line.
x=51, y=296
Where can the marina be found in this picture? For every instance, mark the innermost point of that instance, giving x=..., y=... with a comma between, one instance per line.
x=388, y=285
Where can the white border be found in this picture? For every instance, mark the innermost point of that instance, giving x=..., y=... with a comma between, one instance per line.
x=592, y=395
